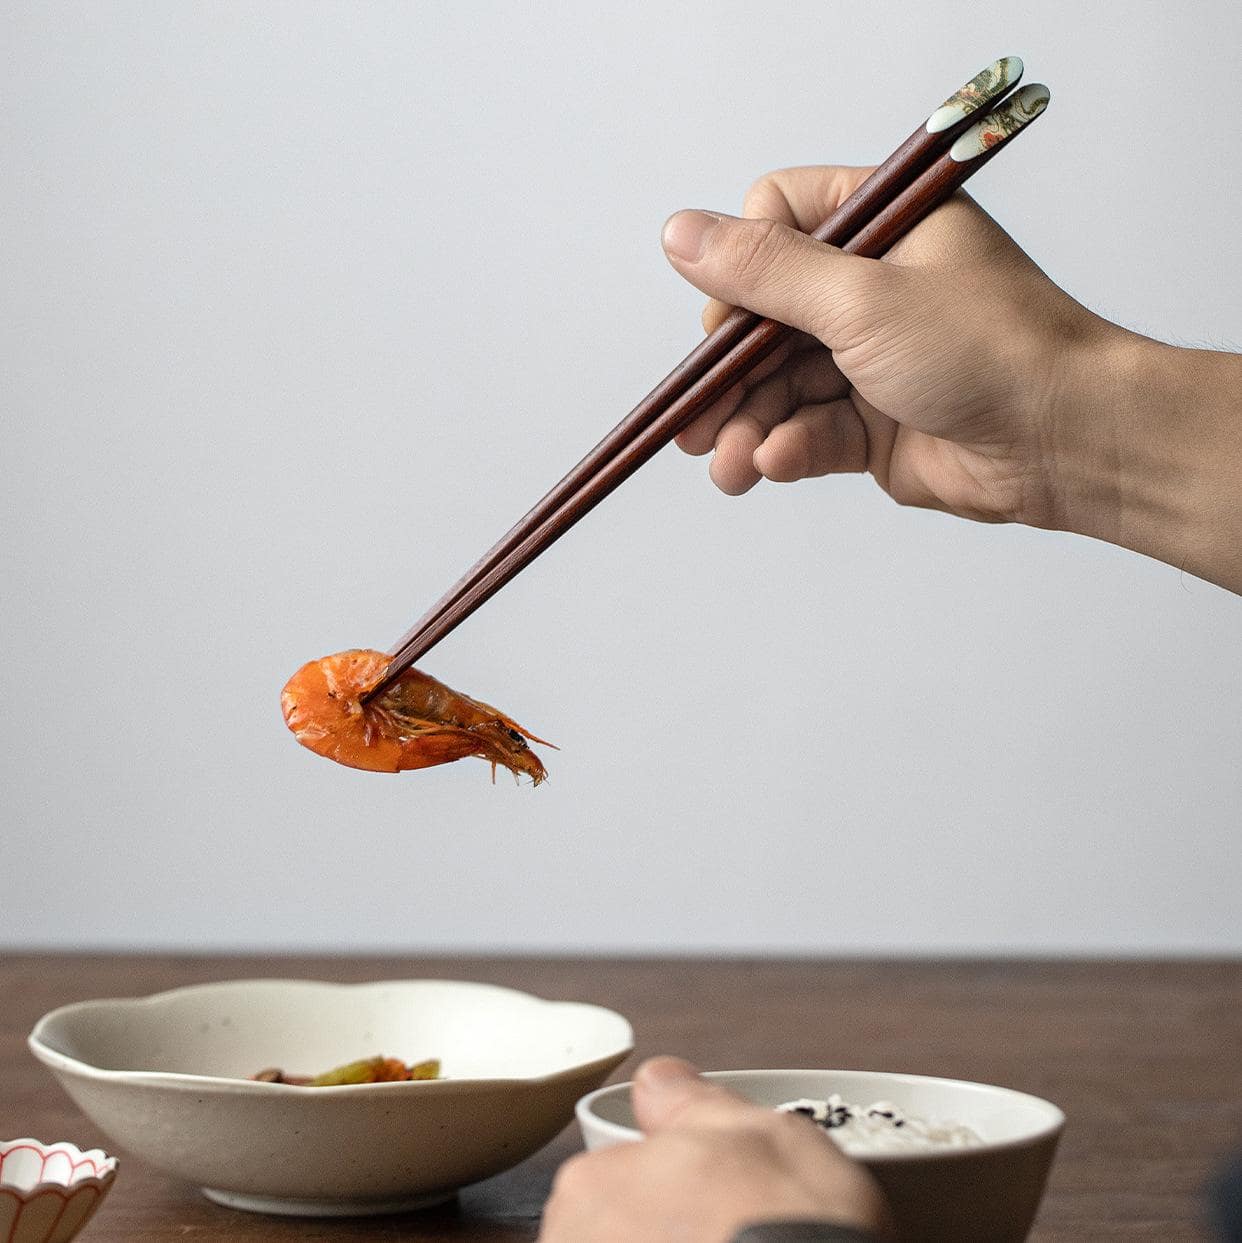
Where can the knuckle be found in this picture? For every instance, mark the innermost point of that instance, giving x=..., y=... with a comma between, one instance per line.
x=574, y=1174
x=781, y=1133
x=902, y=493
x=551, y=1219
x=756, y=1131
x=773, y=1126
x=762, y=195
x=792, y=1126
x=859, y=300
x=752, y=247
x=685, y=1145
x=699, y=1154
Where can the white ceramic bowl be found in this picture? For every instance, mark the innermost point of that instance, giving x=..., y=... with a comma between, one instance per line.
x=988, y=1193
x=166, y=1077
x=48, y=1192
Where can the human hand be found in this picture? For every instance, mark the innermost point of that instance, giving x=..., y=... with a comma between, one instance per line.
x=941, y=366
x=711, y=1163
x=963, y=380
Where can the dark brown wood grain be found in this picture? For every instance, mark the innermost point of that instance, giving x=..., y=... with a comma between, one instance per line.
x=931, y=189
x=1145, y=1058
x=913, y=181
x=877, y=192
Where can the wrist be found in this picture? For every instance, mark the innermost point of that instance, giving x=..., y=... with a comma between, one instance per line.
x=1147, y=446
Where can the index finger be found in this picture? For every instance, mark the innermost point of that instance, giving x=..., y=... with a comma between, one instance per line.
x=802, y=198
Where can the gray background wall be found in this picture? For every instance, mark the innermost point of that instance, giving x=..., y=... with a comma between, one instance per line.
x=303, y=303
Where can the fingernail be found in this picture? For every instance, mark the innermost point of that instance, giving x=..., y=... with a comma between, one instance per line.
x=665, y=1072
x=686, y=234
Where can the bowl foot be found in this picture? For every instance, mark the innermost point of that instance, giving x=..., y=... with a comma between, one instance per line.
x=290, y=1206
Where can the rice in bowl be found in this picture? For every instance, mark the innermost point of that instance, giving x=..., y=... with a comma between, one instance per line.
x=881, y=1127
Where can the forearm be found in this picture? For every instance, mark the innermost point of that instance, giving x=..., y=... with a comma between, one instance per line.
x=1150, y=453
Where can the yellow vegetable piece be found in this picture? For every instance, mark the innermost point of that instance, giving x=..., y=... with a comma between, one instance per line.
x=377, y=1070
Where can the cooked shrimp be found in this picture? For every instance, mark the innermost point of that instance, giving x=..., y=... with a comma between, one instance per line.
x=415, y=723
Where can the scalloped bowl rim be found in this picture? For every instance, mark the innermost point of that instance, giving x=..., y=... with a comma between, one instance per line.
x=1055, y=1123
x=56, y=1059
x=101, y=1181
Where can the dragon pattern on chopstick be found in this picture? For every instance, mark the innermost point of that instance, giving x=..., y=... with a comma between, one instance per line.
x=1019, y=110
x=984, y=88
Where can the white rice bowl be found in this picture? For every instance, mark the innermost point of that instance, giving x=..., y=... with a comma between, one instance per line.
x=939, y=1188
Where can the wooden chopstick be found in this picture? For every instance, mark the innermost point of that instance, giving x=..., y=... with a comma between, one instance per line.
x=911, y=158
x=888, y=210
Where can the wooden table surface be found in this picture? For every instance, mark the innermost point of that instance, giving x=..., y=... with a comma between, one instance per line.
x=1145, y=1058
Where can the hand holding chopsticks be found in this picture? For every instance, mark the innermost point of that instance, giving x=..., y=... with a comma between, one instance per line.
x=958, y=138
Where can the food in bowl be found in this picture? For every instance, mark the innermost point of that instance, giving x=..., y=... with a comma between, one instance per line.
x=416, y=722
x=986, y=1192
x=167, y=1077
x=881, y=1127
x=378, y=1069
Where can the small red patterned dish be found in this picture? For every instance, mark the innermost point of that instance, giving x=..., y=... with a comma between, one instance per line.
x=48, y=1192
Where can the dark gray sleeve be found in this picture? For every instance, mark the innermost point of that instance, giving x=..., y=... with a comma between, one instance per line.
x=1227, y=1201
x=801, y=1232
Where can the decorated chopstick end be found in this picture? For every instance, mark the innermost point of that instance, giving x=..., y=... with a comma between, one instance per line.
x=981, y=92
x=1002, y=123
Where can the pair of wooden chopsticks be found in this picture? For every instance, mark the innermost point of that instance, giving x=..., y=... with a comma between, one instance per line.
x=966, y=131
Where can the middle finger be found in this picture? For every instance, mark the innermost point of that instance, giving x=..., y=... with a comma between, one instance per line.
x=808, y=378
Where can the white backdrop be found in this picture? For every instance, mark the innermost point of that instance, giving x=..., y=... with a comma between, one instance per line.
x=302, y=304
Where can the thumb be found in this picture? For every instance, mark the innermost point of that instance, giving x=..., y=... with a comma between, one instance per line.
x=778, y=272
x=669, y=1092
